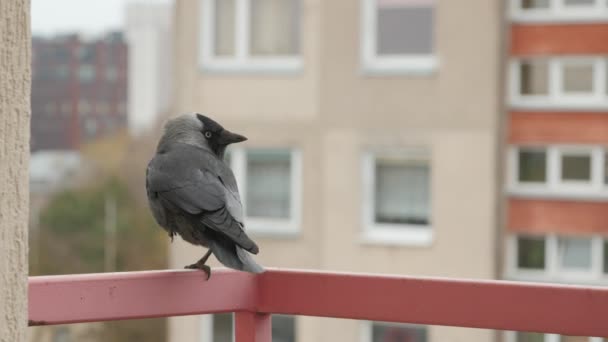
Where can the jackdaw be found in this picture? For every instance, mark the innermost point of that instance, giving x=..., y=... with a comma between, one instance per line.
x=192, y=192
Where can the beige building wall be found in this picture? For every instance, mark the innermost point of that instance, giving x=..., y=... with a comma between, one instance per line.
x=333, y=112
x=14, y=156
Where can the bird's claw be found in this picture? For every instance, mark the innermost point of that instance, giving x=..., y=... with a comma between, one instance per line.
x=203, y=268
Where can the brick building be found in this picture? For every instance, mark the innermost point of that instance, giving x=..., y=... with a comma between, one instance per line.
x=556, y=154
x=79, y=89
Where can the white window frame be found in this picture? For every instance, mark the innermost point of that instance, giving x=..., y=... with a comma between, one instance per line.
x=242, y=61
x=387, y=233
x=371, y=63
x=557, y=97
x=270, y=226
x=555, y=187
x=511, y=336
x=553, y=271
x=366, y=328
x=558, y=11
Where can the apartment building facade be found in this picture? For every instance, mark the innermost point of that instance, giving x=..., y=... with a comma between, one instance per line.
x=373, y=129
x=557, y=183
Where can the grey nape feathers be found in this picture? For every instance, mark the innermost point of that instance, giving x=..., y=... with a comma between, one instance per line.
x=193, y=193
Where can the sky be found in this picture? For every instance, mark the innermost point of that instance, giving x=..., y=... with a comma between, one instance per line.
x=88, y=17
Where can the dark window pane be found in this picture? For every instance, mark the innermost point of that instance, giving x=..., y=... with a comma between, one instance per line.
x=576, y=168
x=531, y=252
x=524, y=336
x=531, y=4
x=382, y=332
x=222, y=327
x=532, y=166
x=534, y=77
x=404, y=30
x=283, y=328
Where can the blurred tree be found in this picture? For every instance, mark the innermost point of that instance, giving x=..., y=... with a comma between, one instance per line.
x=72, y=240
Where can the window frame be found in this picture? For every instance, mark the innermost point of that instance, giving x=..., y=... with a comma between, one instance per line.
x=553, y=272
x=558, y=11
x=270, y=226
x=242, y=61
x=391, y=233
x=557, y=97
x=554, y=186
x=372, y=63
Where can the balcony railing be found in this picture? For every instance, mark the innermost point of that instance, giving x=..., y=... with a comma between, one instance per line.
x=559, y=309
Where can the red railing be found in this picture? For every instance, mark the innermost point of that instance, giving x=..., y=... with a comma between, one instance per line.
x=560, y=309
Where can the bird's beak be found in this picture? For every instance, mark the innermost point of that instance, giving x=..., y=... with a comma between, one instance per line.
x=227, y=137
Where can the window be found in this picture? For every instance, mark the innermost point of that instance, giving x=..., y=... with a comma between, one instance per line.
x=283, y=328
x=524, y=336
x=560, y=82
x=529, y=4
x=62, y=72
x=531, y=253
x=534, y=77
x=578, y=77
x=111, y=73
x=559, y=10
x=605, y=168
x=219, y=328
x=574, y=253
x=269, y=180
x=397, y=197
x=396, y=332
x=605, y=256
x=574, y=171
x=398, y=36
x=86, y=73
x=270, y=185
x=576, y=167
x=532, y=165
x=564, y=338
x=558, y=258
x=250, y=35
x=521, y=336
x=61, y=334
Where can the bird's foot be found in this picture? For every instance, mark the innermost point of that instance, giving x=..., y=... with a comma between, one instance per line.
x=201, y=267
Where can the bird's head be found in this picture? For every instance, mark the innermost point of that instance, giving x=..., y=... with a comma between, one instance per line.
x=199, y=130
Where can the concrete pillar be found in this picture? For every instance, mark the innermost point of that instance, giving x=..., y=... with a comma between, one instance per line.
x=14, y=156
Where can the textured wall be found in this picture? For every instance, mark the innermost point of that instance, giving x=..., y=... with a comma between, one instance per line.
x=14, y=156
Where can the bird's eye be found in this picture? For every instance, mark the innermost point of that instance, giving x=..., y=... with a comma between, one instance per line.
x=207, y=134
